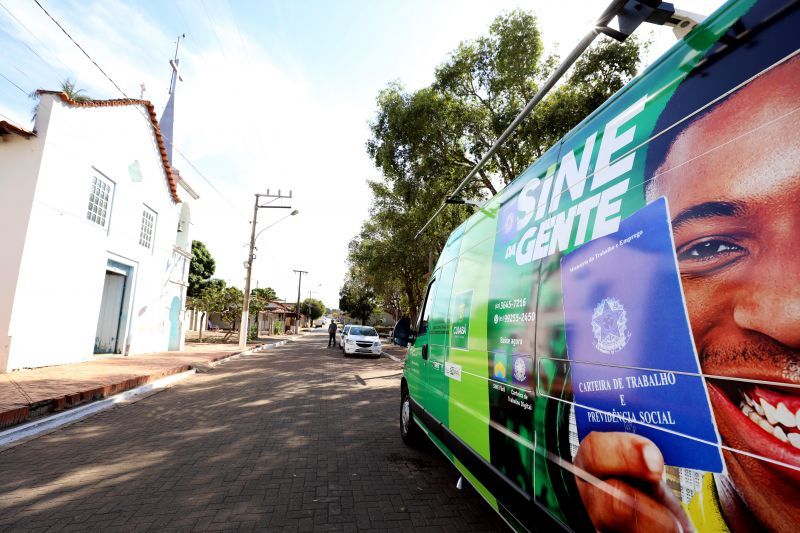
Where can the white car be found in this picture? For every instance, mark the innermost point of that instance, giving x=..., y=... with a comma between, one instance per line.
x=341, y=335
x=361, y=339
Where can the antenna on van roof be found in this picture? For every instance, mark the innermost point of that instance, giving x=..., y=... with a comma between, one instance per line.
x=626, y=15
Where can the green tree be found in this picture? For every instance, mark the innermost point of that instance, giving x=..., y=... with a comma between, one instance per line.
x=313, y=308
x=201, y=268
x=230, y=301
x=260, y=298
x=207, y=301
x=424, y=142
x=433, y=136
x=356, y=298
x=217, y=297
x=264, y=293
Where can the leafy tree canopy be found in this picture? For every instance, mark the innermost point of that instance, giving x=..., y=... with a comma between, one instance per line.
x=216, y=296
x=264, y=293
x=356, y=298
x=260, y=299
x=201, y=268
x=424, y=142
x=312, y=307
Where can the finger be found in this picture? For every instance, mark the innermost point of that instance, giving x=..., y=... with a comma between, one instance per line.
x=613, y=505
x=616, y=454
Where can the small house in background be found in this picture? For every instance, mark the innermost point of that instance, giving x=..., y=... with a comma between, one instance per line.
x=96, y=225
x=273, y=320
x=276, y=318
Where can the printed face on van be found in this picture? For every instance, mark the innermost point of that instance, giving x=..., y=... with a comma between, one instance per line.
x=732, y=179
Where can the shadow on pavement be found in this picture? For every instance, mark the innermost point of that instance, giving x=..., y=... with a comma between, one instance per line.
x=296, y=438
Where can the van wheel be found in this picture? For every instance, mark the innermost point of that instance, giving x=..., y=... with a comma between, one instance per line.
x=410, y=432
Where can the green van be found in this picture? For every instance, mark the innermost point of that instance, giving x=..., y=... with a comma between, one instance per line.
x=584, y=374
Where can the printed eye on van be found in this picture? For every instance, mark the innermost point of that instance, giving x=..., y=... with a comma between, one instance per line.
x=625, y=310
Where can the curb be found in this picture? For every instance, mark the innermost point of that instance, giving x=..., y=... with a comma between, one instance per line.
x=393, y=358
x=47, y=424
x=45, y=410
x=252, y=351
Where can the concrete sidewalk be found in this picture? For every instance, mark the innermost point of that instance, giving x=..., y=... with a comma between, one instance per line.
x=29, y=394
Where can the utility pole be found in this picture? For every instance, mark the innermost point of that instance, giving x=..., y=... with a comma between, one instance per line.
x=299, y=280
x=244, y=325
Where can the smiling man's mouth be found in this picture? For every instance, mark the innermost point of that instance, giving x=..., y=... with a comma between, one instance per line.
x=759, y=420
x=776, y=413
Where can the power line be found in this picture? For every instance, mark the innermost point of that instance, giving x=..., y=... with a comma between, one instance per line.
x=80, y=48
x=235, y=209
x=261, y=139
x=222, y=49
x=9, y=119
x=184, y=18
x=219, y=43
x=191, y=164
x=241, y=41
x=35, y=37
x=23, y=73
x=23, y=91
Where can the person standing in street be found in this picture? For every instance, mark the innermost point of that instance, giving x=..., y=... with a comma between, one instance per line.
x=332, y=334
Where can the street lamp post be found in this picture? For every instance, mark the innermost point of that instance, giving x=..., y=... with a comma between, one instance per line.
x=245, y=322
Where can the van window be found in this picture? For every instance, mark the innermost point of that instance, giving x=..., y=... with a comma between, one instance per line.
x=425, y=315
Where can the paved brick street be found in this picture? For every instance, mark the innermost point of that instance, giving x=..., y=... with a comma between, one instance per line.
x=298, y=438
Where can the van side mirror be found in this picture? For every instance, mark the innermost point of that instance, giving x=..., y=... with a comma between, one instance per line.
x=412, y=336
x=403, y=333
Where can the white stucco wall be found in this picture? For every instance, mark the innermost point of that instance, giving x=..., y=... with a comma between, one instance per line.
x=19, y=166
x=55, y=311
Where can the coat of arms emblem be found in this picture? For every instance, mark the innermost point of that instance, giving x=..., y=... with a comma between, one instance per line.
x=609, y=326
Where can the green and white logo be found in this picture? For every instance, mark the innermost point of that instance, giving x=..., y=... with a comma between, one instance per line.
x=459, y=331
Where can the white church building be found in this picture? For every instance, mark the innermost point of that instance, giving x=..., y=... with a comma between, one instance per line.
x=95, y=233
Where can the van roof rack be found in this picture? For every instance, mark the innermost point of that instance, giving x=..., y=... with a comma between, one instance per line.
x=619, y=20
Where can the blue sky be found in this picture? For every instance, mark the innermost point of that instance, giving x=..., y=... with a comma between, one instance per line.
x=276, y=94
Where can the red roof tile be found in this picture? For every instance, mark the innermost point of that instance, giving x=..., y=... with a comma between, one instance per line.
x=171, y=180
x=9, y=128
